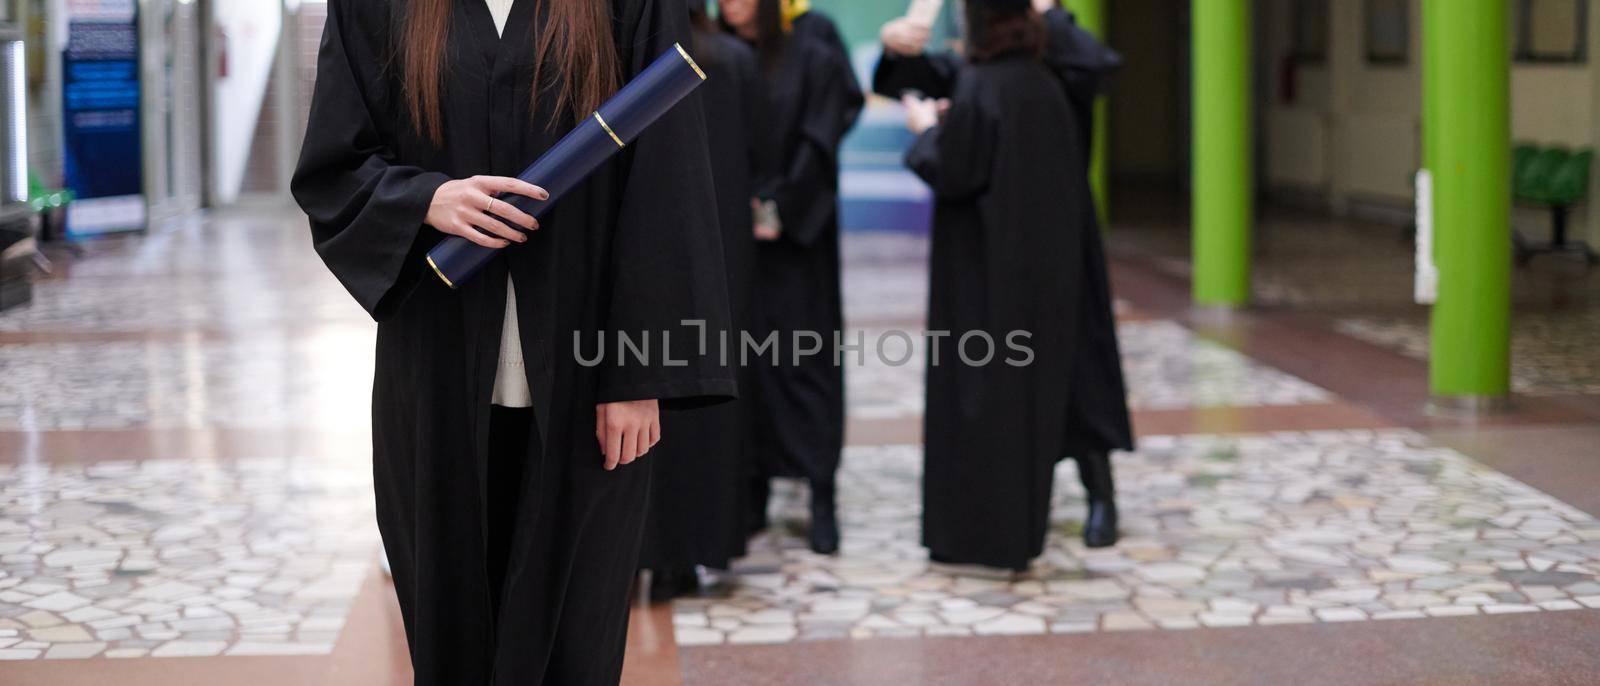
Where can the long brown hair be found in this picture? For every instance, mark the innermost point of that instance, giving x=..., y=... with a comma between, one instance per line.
x=575, y=43
x=770, y=36
x=993, y=33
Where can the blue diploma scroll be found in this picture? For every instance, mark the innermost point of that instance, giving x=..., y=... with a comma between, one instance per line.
x=618, y=122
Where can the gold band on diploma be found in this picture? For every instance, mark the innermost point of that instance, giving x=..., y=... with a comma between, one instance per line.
x=442, y=277
x=607, y=127
x=690, y=60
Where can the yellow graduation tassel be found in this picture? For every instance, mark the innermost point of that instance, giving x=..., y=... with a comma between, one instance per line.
x=792, y=9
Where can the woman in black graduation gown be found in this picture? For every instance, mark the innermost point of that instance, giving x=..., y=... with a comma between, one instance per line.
x=697, y=493
x=513, y=535
x=1012, y=209
x=813, y=100
x=1098, y=421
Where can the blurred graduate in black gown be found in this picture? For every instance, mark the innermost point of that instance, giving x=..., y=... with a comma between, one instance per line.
x=702, y=464
x=1015, y=248
x=813, y=100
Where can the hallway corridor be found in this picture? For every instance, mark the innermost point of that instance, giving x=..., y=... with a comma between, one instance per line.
x=185, y=490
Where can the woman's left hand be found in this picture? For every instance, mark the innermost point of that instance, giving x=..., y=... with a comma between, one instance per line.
x=921, y=113
x=626, y=430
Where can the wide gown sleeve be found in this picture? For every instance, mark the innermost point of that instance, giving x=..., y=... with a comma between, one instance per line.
x=931, y=74
x=807, y=186
x=666, y=252
x=956, y=158
x=366, y=211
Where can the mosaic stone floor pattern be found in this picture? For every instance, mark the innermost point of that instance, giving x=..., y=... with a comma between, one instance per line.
x=77, y=305
x=1167, y=367
x=271, y=379
x=174, y=558
x=321, y=379
x=1264, y=529
x=226, y=271
x=1551, y=353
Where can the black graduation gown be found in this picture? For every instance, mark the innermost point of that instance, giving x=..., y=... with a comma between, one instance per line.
x=1011, y=205
x=698, y=489
x=633, y=249
x=812, y=25
x=1098, y=419
x=812, y=99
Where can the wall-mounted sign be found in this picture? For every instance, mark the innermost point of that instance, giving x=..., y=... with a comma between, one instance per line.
x=100, y=117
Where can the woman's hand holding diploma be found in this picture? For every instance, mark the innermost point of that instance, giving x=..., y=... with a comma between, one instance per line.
x=468, y=208
x=627, y=430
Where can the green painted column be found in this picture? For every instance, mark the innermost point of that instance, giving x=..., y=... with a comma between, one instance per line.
x=1091, y=16
x=1431, y=12
x=1223, y=172
x=1468, y=86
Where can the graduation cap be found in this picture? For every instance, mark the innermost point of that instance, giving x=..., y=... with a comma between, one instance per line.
x=1002, y=4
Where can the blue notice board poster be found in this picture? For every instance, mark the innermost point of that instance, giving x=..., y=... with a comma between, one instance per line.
x=100, y=117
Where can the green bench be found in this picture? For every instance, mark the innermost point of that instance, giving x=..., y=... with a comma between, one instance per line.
x=1556, y=179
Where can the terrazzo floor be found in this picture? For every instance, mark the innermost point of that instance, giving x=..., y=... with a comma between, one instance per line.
x=170, y=558
x=1552, y=353
x=271, y=379
x=1166, y=366
x=1220, y=531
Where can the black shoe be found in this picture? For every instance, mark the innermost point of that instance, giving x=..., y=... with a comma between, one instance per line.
x=1100, y=527
x=666, y=584
x=824, y=533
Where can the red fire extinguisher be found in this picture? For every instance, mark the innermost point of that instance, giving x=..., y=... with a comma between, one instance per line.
x=222, y=52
